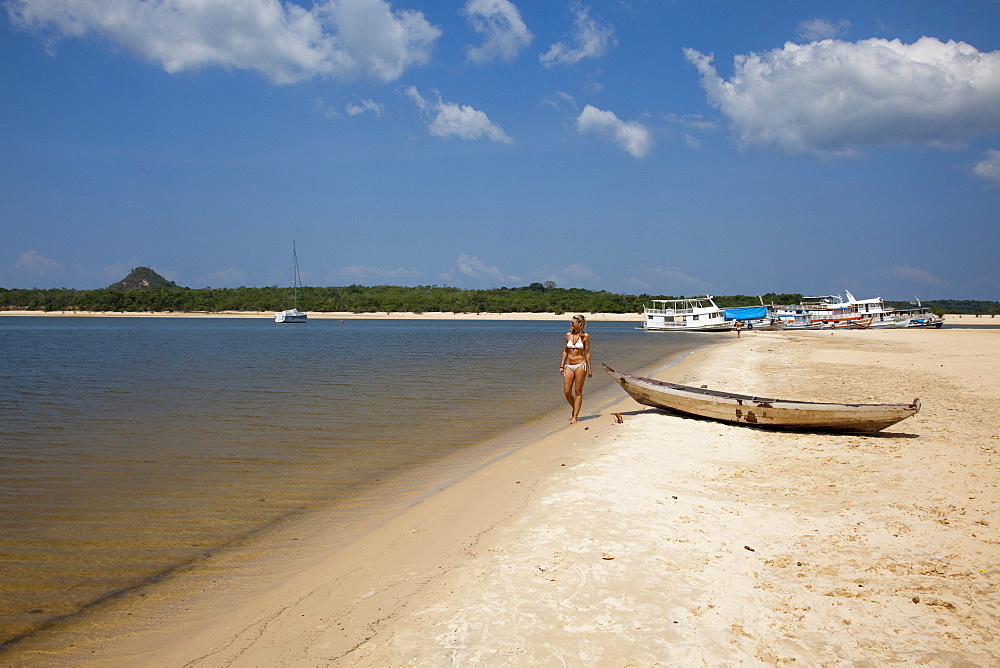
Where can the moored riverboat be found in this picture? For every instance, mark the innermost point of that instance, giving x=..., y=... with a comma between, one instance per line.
x=697, y=314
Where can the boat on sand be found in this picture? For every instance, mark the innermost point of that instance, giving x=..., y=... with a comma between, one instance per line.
x=697, y=314
x=760, y=411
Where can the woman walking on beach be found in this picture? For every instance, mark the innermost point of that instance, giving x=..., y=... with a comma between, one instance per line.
x=575, y=364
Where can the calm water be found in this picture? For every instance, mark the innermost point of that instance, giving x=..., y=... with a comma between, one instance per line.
x=132, y=448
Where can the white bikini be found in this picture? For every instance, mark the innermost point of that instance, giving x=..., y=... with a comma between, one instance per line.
x=576, y=346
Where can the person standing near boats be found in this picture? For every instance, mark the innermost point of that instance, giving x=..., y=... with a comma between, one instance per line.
x=575, y=366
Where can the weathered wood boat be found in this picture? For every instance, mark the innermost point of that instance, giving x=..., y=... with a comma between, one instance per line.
x=762, y=412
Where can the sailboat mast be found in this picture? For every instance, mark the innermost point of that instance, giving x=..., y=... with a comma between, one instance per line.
x=295, y=277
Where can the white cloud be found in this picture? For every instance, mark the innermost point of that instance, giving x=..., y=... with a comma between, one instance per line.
x=989, y=168
x=324, y=108
x=834, y=98
x=691, y=141
x=579, y=272
x=696, y=121
x=908, y=273
x=473, y=270
x=377, y=276
x=36, y=264
x=453, y=120
x=499, y=21
x=343, y=39
x=356, y=108
x=667, y=280
x=572, y=275
x=560, y=101
x=816, y=29
x=632, y=137
x=228, y=277
x=592, y=38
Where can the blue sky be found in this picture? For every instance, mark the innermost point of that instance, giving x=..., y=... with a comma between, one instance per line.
x=648, y=146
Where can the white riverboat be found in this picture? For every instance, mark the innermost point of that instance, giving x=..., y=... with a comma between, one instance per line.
x=875, y=308
x=698, y=314
x=820, y=313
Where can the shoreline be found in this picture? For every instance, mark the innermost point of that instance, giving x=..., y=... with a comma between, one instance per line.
x=329, y=315
x=670, y=539
x=952, y=319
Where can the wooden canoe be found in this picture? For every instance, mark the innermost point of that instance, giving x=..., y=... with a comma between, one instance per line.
x=762, y=412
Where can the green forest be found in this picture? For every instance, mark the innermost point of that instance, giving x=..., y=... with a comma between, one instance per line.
x=346, y=299
x=145, y=290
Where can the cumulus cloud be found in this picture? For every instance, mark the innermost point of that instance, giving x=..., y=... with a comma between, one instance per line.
x=35, y=264
x=356, y=108
x=470, y=269
x=834, y=98
x=499, y=21
x=989, y=167
x=342, y=39
x=632, y=137
x=591, y=39
x=453, y=120
x=816, y=29
x=913, y=274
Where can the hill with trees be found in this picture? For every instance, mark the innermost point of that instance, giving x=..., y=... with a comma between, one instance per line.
x=142, y=278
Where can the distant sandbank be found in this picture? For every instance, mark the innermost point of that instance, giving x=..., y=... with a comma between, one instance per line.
x=951, y=319
x=325, y=315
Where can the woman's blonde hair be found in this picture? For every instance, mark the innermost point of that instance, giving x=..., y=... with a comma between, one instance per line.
x=583, y=321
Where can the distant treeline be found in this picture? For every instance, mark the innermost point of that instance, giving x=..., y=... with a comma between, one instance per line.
x=536, y=298
x=942, y=306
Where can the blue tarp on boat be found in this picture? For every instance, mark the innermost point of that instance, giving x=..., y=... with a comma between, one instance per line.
x=746, y=313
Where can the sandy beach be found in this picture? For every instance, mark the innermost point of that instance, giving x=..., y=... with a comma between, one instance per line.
x=333, y=315
x=666, y=540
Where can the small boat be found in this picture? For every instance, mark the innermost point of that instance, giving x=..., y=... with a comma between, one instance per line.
x=762, y=412
x=830, y=312
x=698, y=314
x=293, y=314
x=752, y=317
x=925, y=320
x=920, y=316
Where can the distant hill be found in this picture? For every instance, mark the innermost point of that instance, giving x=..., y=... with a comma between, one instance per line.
x=142, y=278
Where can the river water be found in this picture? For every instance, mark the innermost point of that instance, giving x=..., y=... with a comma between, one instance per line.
x=134, y=449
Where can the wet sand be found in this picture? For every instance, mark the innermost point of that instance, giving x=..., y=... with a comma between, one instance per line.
x=666, y=539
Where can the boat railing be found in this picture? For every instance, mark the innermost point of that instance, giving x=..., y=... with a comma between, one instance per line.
x=681, y=307
x=669, y=311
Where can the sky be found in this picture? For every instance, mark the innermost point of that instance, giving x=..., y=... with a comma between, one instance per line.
x=661, y=147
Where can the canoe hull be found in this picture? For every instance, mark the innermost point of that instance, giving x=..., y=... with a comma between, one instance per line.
x=760, y=411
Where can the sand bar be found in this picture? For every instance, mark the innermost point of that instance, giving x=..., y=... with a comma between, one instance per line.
x=962, y=320
x=670, y=540
x=333, y=315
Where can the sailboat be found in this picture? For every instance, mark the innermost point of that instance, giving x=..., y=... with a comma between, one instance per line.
x=293, y=314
